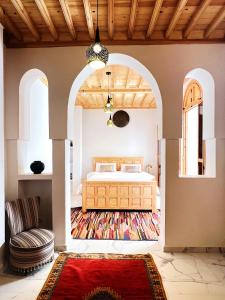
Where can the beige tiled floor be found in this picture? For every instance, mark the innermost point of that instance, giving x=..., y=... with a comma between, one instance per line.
x=185, y=276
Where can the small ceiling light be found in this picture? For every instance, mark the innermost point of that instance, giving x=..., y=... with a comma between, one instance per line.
x=110, y=122
x=97, y=54
x=108, y=107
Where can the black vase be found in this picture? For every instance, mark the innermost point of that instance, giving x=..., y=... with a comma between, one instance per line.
x=37, y=167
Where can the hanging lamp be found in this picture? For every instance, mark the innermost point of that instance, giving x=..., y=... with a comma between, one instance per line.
x=108, y=107
x=97, y=54
x=110, y=121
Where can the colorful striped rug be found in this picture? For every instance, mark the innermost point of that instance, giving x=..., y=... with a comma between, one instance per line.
x=115, y=225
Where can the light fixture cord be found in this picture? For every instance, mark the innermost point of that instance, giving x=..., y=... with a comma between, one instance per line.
x=97, y=13
x=108, y=85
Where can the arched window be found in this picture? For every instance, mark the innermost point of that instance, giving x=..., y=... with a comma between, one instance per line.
x=193, y=154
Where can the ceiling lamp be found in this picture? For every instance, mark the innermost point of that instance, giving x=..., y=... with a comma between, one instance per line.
x=108, y=108
x=97, y=55
x=110, y=122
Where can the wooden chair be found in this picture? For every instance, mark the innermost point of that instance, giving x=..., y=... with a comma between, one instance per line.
x=30, y=247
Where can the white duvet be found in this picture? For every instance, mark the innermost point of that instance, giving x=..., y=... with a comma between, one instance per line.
x=120, y=176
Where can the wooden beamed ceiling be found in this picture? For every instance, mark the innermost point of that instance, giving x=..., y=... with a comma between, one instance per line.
x=128, y=89
x=38, y=23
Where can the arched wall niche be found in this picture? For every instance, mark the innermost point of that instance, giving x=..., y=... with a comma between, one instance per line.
x=34, y=142
x=125, y=60
x=206, y=81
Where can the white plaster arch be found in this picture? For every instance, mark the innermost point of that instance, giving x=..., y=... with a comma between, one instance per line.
x=33, y=142
x=120, y=59
x=207, y=83
x=208, y=89
x=128, y=61
x=28, y=78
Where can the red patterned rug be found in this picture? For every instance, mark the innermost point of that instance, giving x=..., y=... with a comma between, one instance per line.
x=115, y=225
x=103, y=277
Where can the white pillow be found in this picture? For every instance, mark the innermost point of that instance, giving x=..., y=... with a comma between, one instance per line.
x=131, y=168
x=105, y=167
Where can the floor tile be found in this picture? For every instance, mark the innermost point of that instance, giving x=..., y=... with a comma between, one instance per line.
x=186, y=276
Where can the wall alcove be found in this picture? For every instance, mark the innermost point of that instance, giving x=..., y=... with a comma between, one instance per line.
x=34, y=143
x=199, y=95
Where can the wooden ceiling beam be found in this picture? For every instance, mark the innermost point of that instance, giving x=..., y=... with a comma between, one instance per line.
x=18, y=4
x=68, y=18
x=79, y=101
x=216, y=21
x=141, y=79
x=89, y=19
x=61, y=43
x=113, y=91
x=143, y=100
x=133, y=100
x=46, y=17
x=152, y=103
x=127, y=78
x=133, y=12
x=204, y=4
x=154, y=18
x=178, y=11
x=8, y=24
x=111, y=18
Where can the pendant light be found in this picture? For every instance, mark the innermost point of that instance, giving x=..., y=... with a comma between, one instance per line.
x=97, y=55
x=110, y=121
x=108, y=108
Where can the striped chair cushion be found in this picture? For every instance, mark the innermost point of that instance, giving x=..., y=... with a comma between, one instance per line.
x=33, y=238
x=23, y=214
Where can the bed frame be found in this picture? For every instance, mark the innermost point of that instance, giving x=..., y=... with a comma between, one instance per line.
x=118, y=195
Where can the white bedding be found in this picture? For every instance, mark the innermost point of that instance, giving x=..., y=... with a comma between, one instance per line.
x=120, y=176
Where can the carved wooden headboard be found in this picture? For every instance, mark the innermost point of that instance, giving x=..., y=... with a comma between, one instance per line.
x=118, y=161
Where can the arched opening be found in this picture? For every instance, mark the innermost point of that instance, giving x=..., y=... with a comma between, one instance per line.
x=197, y=146
x=34, y=143
x=73, y=114
x=192, y=148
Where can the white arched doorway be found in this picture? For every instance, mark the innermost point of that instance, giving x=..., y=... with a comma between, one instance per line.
x=125, y=60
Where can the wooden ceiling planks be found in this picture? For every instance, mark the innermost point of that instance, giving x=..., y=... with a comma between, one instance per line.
x=47, y=18
x=194, y=20
x=68, y=18
x=216, y=21
x=154, y=17
x=18, y=4
x=128, y=89
x=40, y=23
x=111, y=18
x=7, y=23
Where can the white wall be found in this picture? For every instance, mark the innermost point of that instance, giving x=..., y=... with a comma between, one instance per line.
x=77, y=148
x=169, y=65
x=2, y=169
x=138, y=138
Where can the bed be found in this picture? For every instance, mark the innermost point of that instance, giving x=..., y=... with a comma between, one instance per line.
x=118, y=189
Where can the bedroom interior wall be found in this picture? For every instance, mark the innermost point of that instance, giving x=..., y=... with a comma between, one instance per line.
x=192, y=205
x=138, y=138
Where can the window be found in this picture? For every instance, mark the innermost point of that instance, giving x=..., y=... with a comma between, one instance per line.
x=193, y=154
